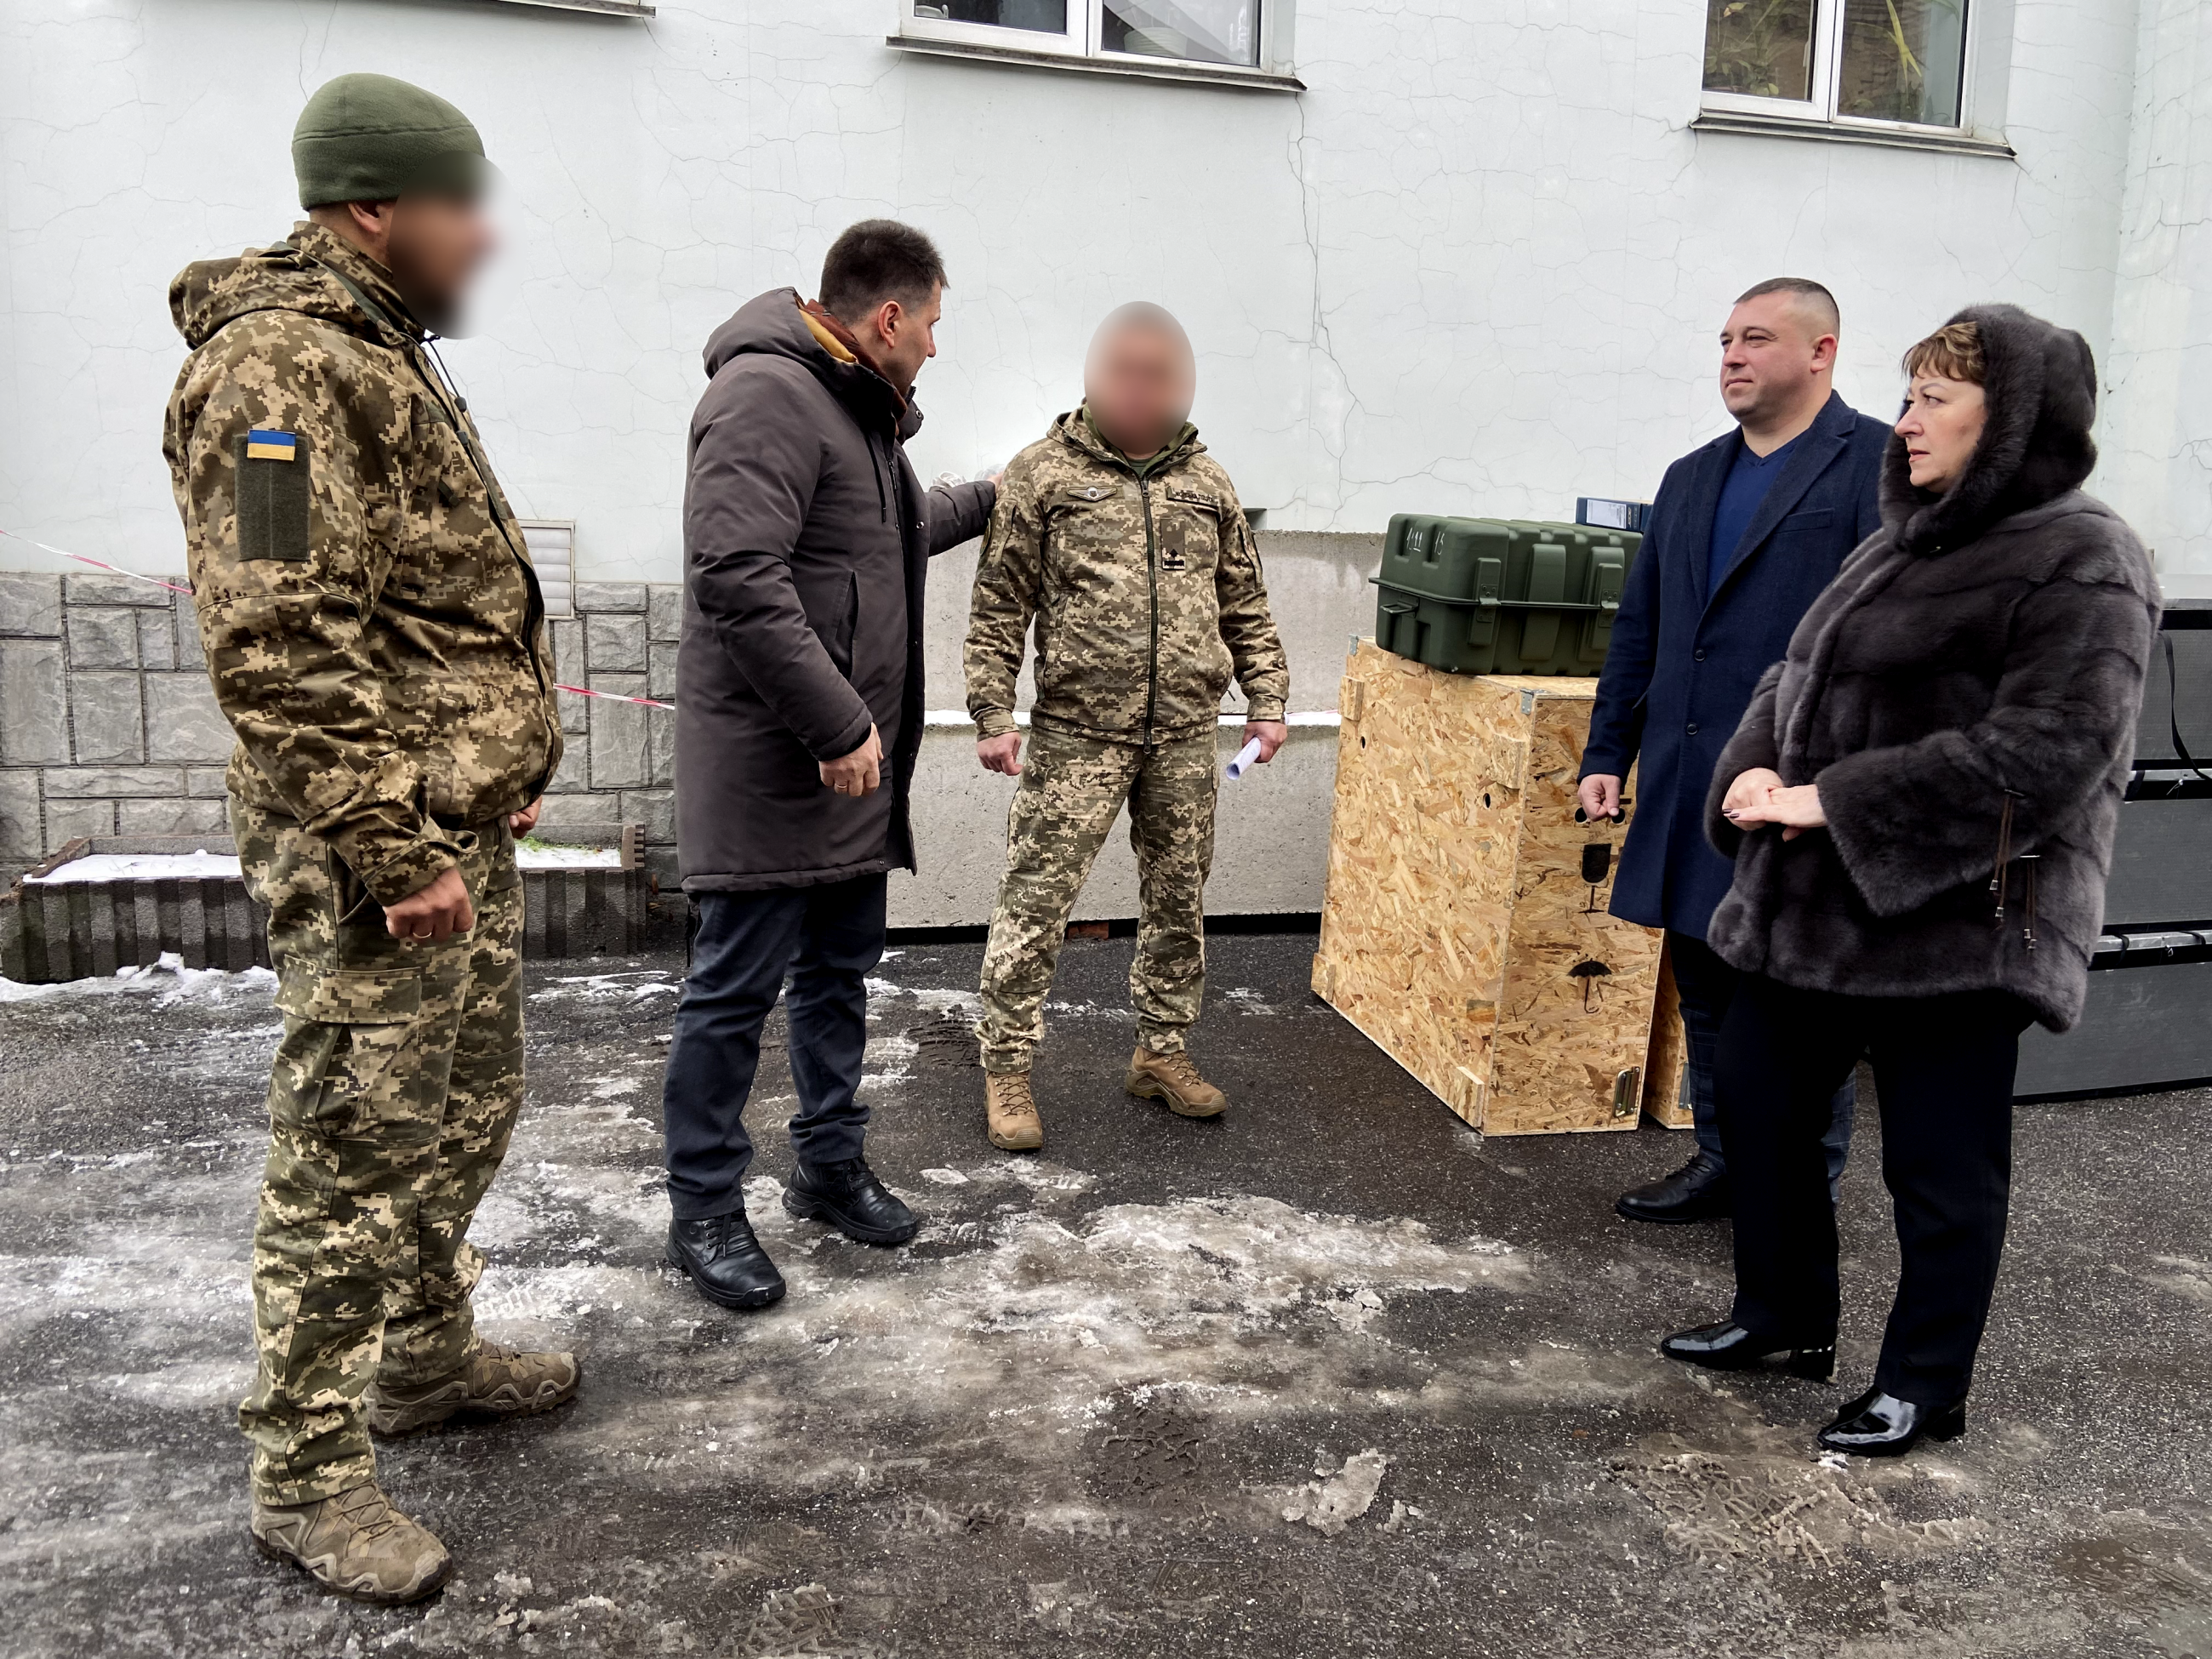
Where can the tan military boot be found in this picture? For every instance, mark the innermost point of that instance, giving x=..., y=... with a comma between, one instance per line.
x=495, y=1382
x=1174, y=1078
x=1010, y=1111
x=354, y=1544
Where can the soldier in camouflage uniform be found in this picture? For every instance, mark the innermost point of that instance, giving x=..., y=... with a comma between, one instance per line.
x=1124, y=542
x=376, y=638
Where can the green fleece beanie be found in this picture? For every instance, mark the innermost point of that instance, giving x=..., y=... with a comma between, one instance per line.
x=371, y=138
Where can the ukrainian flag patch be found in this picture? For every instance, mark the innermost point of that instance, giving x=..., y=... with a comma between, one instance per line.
x=265, y=443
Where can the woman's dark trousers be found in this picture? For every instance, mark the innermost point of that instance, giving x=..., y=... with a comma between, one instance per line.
x=1943, y=1074
x=1705, y=985
x=828, y=939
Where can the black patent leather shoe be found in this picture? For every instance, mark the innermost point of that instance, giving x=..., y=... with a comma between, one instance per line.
x=1878, y=1424
x=724, y=1260
x=1698, y=1191
x=1727, y=1346
x=849, y=1198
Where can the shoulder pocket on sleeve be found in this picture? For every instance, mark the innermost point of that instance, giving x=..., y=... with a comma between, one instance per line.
x=273, y=497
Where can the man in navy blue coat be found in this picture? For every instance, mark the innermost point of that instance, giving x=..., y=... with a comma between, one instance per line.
x=1744, y=533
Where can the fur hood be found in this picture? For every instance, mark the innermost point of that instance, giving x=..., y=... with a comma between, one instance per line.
x=1964, y=695
x=2040, y=381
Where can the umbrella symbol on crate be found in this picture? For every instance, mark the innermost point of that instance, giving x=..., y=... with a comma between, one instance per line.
x=1589, y=972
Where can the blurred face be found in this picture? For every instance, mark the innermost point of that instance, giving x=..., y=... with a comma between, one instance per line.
x=1943, y=421
x=1776, y=354
x=901, y=338
x=432, y=245
x=1140, y=382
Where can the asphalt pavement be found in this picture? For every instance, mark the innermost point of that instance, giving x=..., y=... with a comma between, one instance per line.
x=1330, y=1375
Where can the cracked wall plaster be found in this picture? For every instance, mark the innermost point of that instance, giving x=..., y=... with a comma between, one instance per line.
x=1477, y=267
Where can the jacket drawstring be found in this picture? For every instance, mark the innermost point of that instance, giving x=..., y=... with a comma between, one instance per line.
x=2005, y=860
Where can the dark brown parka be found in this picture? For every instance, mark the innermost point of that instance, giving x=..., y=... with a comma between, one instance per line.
x=806, y=543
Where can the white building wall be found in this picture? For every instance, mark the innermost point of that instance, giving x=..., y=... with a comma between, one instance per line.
x=1478, y=266
x=2158, y=435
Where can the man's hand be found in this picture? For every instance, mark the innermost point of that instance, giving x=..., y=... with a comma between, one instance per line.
x=1001, y=754
x=859, y=773
x=524, y=822
x=1600, y=796
x=429, y=913
x=1271, y=735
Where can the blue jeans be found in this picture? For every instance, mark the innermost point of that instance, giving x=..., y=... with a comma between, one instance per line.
x=827, y=938
x=1707, y=986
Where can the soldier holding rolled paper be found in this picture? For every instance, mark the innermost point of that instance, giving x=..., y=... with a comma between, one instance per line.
x=1123, y=540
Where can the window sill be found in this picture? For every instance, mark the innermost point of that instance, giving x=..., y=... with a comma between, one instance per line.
x=1137, y=69
x=604, y=8
x=1775, y=126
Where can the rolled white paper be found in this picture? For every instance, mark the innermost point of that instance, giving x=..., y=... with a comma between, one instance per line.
x=1245, y=757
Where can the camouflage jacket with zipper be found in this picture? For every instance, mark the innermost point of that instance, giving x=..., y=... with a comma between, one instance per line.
x=372, y=625
x=1143, y=584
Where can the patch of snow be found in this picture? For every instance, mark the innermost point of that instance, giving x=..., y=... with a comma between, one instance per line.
x=167, y=981
x=936, y=999
x=141, y=866
x=1332, y=1505
x=631, y=987
x=944, y=1178
x=568, y=858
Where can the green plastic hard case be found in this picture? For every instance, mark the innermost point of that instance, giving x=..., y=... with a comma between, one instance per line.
x=1501, y=596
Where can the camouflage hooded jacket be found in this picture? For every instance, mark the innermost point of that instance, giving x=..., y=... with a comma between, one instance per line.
x=371, y=621
x=1143, y=584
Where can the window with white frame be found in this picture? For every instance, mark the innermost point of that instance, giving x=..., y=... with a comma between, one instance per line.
x=1895, y=65
x=1218, y=32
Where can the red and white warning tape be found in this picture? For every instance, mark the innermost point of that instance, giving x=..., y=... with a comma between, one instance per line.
x=612, y=697
x=99, y=564
x=137, y=576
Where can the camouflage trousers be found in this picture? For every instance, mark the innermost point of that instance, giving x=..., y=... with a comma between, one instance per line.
x=396, y=1087
x=1072, y=788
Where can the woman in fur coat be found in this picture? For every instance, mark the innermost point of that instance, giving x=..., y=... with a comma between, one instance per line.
x=1921, y=801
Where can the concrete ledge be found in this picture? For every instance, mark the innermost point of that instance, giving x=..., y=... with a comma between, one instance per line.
x=1270, y=850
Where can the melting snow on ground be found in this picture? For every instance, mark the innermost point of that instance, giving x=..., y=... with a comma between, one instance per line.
x=166, y=980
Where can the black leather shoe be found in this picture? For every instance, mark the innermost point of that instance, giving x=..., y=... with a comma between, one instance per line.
x=724, y=1260
x=849, y=1198
x=1698, y=1191
x=1878, y=1424
x=1727, y=1346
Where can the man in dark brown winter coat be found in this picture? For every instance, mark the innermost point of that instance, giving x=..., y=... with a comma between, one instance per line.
x=806, y=539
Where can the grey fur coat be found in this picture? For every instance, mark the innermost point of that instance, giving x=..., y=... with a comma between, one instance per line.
x=1964, y=695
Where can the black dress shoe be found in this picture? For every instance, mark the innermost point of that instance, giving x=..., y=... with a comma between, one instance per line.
x=849, y=1198
x=1878, y=1424
x=1727, y=1346
x=724, y=1260
x=1698, y=1191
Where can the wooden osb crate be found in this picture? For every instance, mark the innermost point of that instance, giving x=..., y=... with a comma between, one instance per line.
x=1664, y=1103
x=1457, y=931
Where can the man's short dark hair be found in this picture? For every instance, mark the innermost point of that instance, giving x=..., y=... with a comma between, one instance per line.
x=876, y=260
x=1816, y=298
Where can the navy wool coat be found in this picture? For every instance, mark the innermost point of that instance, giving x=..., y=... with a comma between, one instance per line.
x=1684, y=662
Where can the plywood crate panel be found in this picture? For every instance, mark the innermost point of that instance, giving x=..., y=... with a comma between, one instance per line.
x=1457, y=931
x=1666, y=1064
